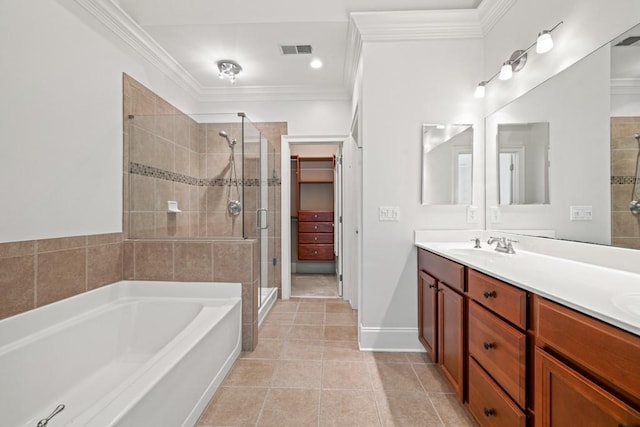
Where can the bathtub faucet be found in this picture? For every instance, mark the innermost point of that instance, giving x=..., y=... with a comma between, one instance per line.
x=43, y=422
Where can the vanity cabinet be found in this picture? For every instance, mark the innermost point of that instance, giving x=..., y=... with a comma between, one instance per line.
x=441, y=312
x=586, y=370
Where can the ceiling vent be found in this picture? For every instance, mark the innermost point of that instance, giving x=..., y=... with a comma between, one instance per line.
x=629, y=41
x=296, y=49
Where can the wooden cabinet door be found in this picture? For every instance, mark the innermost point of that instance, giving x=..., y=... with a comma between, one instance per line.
x=451, y=336
x=565, y=398
x=427, y=314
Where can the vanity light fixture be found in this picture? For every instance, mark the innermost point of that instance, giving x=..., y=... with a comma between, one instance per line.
x=228, y=69
x=518, y=59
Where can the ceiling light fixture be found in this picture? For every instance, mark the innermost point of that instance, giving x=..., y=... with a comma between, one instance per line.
x=228, y=69
x=518, y=59
x=316, y=63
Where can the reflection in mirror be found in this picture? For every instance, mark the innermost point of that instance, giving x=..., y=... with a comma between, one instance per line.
x=593, y=111
x=447, y=158
x=523, y=163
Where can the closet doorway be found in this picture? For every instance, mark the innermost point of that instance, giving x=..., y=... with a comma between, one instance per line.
x=314, y=220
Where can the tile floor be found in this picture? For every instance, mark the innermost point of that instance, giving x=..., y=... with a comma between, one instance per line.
x=314, y=285
x=307, y=371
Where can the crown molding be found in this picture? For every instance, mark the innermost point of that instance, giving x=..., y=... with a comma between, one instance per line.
x=625, y=86
x=417, y=25
x=491, y=11
x=352, y=55
x=121, y=24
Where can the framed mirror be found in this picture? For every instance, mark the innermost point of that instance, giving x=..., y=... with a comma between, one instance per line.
x=592, y=112
x=447, y=164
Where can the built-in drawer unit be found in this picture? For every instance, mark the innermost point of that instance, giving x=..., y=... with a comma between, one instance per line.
x=489, y=404
x=609, y=355
x=500, y=349
x=315, y=235
x=503, y=299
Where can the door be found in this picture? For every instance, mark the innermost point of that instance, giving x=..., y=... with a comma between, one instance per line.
x=565, y=398
x=451, y=336
x=427, y=314
x=338, y=212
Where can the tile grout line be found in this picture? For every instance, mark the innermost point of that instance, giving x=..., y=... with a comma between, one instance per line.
x=428, y=396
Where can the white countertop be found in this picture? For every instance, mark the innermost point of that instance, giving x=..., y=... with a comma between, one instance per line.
x=608, y=294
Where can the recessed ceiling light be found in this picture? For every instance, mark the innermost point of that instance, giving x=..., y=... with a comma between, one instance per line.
x=316, y=63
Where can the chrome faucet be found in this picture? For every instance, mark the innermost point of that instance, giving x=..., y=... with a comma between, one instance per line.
x=502, y=244
x=476, y=243
x=43, y=422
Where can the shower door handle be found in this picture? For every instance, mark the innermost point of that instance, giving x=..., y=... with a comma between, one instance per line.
x=259, y=219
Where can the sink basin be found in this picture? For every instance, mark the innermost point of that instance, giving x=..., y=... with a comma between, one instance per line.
x=629, y=303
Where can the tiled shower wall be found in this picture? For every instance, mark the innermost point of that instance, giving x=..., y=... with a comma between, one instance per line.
x=172, y=157
x=624, y=151
x=38, y=272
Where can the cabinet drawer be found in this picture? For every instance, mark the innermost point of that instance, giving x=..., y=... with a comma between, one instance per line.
x=609, y=353
x=315, y=216
x=315, y=238
x=500, y=349
x=316, y=252
x=446, y=271
x=315, y=227
x=503, y=299
x=488, y=403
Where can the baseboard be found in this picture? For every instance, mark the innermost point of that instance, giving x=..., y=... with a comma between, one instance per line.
x=389, y=339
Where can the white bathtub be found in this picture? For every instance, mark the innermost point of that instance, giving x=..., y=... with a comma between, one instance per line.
x=128, y=354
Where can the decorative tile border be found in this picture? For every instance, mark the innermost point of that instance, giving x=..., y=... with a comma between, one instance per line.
x=624, y=180
x=152, y=172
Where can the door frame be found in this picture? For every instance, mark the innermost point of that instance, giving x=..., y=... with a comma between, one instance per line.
x=285, y=200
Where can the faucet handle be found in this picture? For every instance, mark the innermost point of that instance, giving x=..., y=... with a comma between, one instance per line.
x=476, y=240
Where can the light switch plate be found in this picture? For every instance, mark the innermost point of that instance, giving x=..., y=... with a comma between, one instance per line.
x=389, y=213
x=581, y=213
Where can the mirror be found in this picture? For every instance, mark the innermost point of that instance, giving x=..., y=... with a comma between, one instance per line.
x=447, y=159
x=523, y=163
x=591, y=112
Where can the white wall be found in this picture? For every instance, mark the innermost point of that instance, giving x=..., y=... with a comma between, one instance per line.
x=60, y=120
x=303, y=117
x=435, y=86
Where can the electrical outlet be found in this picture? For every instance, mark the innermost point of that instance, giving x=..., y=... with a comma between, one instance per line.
x=581, y=213
x=494, y=215
x=389, y=213
x=472, y=214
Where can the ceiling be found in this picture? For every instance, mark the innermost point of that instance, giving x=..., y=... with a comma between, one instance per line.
x=197, y=33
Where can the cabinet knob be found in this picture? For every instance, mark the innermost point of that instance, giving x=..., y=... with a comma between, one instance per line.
x=489, y=294
x=315, y=238
x=488, y=345
x=432, y=286
x=315, y=252
x=489, y=412
x=315, y=216
x=316, y=227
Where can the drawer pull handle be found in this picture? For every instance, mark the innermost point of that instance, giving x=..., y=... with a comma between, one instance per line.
x=488, y=345
x=489, y=412
x=489, y=294
x=432, y=286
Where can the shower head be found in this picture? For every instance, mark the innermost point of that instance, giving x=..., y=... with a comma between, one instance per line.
x=637, y=136
x=231, y=142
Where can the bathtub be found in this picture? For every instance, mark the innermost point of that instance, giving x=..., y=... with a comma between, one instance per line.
x=129, y=354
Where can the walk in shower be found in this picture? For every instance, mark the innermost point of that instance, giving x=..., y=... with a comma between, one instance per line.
x=206, y=178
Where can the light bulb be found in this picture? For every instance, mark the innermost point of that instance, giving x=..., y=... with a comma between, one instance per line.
x=506, y=72
x=316, y=63
x=480, y=89
x=545, y=42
